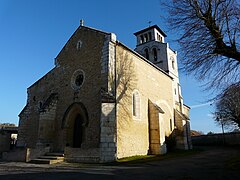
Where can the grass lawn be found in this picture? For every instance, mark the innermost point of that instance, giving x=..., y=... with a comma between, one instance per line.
x=147, y=158
x=234, y=163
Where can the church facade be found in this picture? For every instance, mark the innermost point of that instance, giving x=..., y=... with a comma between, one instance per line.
x=104, y=101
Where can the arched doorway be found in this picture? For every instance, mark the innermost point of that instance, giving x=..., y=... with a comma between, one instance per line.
x=74, y=125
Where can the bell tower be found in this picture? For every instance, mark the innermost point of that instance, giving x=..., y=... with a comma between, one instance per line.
x=151, y=45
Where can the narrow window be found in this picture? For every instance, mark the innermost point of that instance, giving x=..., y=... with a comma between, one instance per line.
x=150, y=36
x=160, y=38
x=171, y=125
x=146, y=37
x=155, y=54
x=136, y=104
x=173, y=63
x=142, y=39
x=79, y=45
x=146, y=54
x=173, y=66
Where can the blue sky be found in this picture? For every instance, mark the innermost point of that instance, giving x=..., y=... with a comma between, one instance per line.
x=32, y=32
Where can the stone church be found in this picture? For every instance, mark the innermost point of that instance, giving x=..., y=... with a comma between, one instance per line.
x=103, y=101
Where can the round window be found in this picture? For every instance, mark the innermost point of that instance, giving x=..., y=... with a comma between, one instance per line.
x=77, y=79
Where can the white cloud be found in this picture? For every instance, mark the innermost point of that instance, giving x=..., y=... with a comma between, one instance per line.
x=210, y=115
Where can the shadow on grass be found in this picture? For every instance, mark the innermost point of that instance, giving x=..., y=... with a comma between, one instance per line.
x=234, y=163
x=149, y=158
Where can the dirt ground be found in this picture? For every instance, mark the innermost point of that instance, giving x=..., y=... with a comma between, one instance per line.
x=211, y=163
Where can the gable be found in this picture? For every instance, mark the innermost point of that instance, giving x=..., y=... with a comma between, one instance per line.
x=83, y=39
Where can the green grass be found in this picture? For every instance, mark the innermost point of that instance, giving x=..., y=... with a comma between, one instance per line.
x=234, y=163
x=149, y=158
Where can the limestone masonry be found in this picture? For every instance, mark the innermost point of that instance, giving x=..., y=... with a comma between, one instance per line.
x=104, y=101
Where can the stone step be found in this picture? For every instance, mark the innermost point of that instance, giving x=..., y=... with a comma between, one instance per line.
x=49, y=158
x=52, y=157
x=84, y=159
x=54, y=154
x=45, y=161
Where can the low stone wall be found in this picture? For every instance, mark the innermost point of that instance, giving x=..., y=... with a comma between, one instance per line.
x=35, y=153
x=22, y=154
x=5, y=139
x=18, y=155
x=217, y=139
x=91, y=155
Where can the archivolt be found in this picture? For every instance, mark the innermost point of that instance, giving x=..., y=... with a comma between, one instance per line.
x=72, y=111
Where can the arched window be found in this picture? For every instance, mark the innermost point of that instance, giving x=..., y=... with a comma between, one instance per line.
x=146, y=37
x=146, y=54
x=150, y=36
x=136, y=104
x=155, y=54
x=79, y=45
x=142, y=39
x=173, y=63
x=160, y=38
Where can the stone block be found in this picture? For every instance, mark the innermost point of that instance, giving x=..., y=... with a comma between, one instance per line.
x=104, y=145
x=112, y=145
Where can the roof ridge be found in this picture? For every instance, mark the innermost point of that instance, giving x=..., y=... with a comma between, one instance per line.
x=94, y=29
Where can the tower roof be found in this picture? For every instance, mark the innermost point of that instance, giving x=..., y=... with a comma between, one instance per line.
x=151, y=27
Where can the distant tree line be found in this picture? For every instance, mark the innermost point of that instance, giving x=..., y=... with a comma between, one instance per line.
x=2, y=125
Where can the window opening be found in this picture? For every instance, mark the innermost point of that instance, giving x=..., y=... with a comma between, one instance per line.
x=150, y=36
x=155, y=54
x=79, y=45
x=171, y=125
x=136, y=104
x=146, y=54
x=79, y=80
x=146, y=37
x=173, y=66
x=142, y=39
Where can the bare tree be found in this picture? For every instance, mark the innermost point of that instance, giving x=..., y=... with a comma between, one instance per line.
x=228, y=106
x=209, y=38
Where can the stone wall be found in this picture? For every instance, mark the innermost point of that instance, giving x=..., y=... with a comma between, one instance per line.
x=134, y=73
x=217, y=139
x=81, y=155
x=154, y=130
x=5, y=139
x=108, y=133
x=182, y=131
x=18, y=154
x=82, y=52
x=46, y=132
x=108, y=64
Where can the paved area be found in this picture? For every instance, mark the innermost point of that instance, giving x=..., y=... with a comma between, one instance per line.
x=212, y=163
